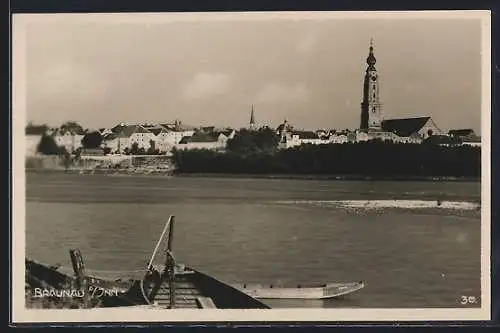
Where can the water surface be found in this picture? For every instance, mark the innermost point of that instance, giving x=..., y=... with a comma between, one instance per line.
x=269, y=231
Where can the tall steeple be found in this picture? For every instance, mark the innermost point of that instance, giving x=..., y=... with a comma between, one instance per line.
x=252, y=119
x=371, y=108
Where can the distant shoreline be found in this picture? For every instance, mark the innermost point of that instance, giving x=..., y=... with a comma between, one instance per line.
x=329, y=177
x=258, y=176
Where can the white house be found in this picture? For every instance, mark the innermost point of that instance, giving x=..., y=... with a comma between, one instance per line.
x=223, y=136
x=70, y=140
x=115, y=142
x=472, y=144
x=201, y=140
x=31, y=144
x=308, y=137
x=138, y=135
x=363, y=136
x=290, y=137
x=466, y=136
x=125, y=136
x=338, y=138
x=176, y=131
x=166, y=138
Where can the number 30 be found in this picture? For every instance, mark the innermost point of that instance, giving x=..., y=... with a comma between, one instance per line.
x=467, y=300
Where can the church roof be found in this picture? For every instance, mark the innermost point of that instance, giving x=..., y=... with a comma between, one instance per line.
x=404, y=126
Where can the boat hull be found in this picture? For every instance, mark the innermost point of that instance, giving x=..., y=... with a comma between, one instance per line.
x=193, y=290
x=331, y=290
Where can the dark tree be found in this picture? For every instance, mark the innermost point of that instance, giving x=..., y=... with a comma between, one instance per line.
x=32, y=129
x=152, y=148
x=242, y=142
x=92, y=140
x=266, y=139
x=78, y=152
x=48, y=146
x=134, y=149
x=72, y=126
x=249, y=142
x=372, y=159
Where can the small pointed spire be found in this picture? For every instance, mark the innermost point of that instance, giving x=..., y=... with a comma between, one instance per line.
x=252, y=118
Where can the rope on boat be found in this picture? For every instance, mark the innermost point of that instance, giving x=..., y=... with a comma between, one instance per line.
x=151, y=267
x=143, y=292
x=159, y=241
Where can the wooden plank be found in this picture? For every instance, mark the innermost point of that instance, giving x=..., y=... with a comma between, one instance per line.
x=206, y=303
x=177, y=299
x=181, y=306
x=191, y=306
x=181, y=292
x=161, y=296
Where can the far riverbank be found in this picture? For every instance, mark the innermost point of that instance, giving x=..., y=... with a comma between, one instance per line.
x=329, y=177
x=139, y=173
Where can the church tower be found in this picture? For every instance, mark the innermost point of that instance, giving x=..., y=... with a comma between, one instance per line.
x=371, y=111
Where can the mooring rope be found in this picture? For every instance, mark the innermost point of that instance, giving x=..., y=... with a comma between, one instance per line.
x=143, y=292
x=116, y=271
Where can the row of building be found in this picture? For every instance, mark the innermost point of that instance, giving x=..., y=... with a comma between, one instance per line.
x=122, y=138
x=407, y=130
x=163, y=137
x=373, y=125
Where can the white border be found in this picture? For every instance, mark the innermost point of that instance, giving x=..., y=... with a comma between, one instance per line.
x=22, y=315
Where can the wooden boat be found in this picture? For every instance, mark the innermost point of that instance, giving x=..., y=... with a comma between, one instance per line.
x=171, y=285
x=324, y=291
x=190, y=288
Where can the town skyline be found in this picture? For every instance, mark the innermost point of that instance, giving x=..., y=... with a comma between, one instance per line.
x=99, y=74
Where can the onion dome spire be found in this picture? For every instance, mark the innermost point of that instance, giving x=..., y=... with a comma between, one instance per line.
x=371, y=60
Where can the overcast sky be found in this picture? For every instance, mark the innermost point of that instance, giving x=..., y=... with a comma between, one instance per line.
x=104, y=71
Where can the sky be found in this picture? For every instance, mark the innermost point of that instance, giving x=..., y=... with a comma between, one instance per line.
x=100, y=70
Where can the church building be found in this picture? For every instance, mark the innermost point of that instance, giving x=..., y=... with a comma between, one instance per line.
x=373, y=125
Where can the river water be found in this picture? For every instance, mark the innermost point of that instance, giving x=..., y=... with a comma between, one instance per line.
x=411, y=250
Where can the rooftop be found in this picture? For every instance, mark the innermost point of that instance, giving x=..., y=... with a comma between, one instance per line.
x=404, y=126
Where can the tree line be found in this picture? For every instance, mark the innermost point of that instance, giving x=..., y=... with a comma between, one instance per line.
x=257, y=153
x=48, y=145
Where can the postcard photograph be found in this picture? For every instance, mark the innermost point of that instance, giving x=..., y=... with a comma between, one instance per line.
x=278, y=166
